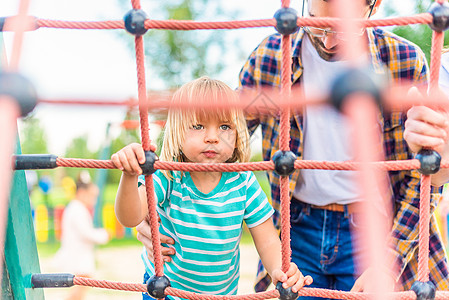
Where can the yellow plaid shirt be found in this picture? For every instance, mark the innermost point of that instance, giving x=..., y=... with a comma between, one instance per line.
x=404, y=62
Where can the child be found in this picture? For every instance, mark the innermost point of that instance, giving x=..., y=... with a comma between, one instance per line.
x=79, y=236
x=204, y=211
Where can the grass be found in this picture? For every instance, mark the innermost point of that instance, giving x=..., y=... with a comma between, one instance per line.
x=49, y=249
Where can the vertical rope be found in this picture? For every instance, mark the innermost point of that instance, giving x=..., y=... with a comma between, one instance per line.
x=424, y=220
x=135, y=4
x=285, y=3
x=146, y=142
x=435, y=59
x=424, y=204
x=19, y=29
x=284, y=145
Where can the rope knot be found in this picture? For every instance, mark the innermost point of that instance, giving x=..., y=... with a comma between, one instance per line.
x=440, y=14
x=284, y=162
x=424, y=290
x=430, y=161
x=156, y=286
x=286, y=20
x=135, y=22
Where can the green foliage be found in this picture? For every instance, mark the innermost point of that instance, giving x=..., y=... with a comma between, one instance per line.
x=33, y=137
x=78, y=149
x=177, y=56
x=421, y=35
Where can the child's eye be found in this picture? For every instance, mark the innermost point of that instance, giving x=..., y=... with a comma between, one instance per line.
x=197, y=127
x=225, y=127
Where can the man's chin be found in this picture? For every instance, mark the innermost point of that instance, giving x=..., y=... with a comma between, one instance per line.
x=328, y=56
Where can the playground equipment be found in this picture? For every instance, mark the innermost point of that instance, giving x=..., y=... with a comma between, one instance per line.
x=284, y=162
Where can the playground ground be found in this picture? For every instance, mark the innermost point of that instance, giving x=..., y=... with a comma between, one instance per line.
x=123, y=264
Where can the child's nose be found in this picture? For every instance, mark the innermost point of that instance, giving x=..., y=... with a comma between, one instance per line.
x=211, y=136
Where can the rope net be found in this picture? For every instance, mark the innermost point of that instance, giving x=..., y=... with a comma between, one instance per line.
x=368, y=163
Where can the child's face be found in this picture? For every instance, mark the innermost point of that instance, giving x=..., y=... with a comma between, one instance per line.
x=210, y=141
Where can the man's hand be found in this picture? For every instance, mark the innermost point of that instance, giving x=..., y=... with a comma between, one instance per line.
x=368, y=283
x=144, y=236
x=426, y=127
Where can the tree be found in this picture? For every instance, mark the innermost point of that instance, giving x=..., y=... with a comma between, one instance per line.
x=180, y=56
x=33, y=136
x=78, y=148
x=421, y=35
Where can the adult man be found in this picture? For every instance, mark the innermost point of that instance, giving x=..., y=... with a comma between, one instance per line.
x=322, y=204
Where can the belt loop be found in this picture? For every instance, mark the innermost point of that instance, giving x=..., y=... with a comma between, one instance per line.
x=346, y=211
x=307, y=209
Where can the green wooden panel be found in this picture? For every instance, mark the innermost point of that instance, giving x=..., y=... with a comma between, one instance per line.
x=20, y=244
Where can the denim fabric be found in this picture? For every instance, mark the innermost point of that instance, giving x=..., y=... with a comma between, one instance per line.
x=323, y=246
x=145, y=296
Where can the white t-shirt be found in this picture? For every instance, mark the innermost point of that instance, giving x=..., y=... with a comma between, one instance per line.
x=444, y=73
x=327, y=137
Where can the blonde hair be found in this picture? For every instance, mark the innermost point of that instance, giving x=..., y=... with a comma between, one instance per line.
x=207, y=91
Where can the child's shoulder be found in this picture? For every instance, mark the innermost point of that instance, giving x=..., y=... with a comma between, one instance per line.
x=238, y=177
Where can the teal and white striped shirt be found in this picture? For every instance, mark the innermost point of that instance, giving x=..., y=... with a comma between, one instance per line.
x=207, y=228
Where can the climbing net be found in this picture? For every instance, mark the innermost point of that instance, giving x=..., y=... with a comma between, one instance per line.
x=359, y=105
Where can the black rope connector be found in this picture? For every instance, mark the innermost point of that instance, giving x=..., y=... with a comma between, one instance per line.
x=135, y=22
x=440, y=14
x=356, y=80
x=286, y=20
x=286, y=294
x=19, y=88
x=156, y=286
x=59, y=280
x=34, y=161
x=424, y=290
x=148, y=166
x=284, y=162
x=430, y=161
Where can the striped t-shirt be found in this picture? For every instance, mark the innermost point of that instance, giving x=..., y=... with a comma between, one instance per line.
x=207, y=228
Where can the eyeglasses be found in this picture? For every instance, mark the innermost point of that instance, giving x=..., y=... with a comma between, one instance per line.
x=321, y=33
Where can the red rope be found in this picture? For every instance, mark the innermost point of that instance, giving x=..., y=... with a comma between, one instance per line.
x=285, y=3
x=135, y=4
x=106, y=284
x=398, y=165
x=80, y=24
x=424, y=220
x=146, y=144
x=424, y=18
x=435, y=60
x=316, y=292
x=195, y=296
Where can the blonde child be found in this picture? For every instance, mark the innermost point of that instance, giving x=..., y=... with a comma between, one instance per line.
x=203, y=212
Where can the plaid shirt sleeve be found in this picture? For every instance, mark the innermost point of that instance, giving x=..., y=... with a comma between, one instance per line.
x=407, y=62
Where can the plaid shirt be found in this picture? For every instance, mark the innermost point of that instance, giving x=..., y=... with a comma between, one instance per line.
x=404, y=62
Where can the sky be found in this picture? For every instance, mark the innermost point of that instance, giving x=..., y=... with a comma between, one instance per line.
x=97, y=64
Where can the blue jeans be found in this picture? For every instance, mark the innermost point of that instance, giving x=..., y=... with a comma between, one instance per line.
x=145, y=296
x=324, y=247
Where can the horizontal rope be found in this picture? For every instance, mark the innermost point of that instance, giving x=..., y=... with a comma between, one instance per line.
x=316, y=292
x=270, y=101
x=397, y=165
x=424, y=18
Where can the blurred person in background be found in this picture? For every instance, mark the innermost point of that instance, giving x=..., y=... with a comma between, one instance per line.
x=77, y=255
